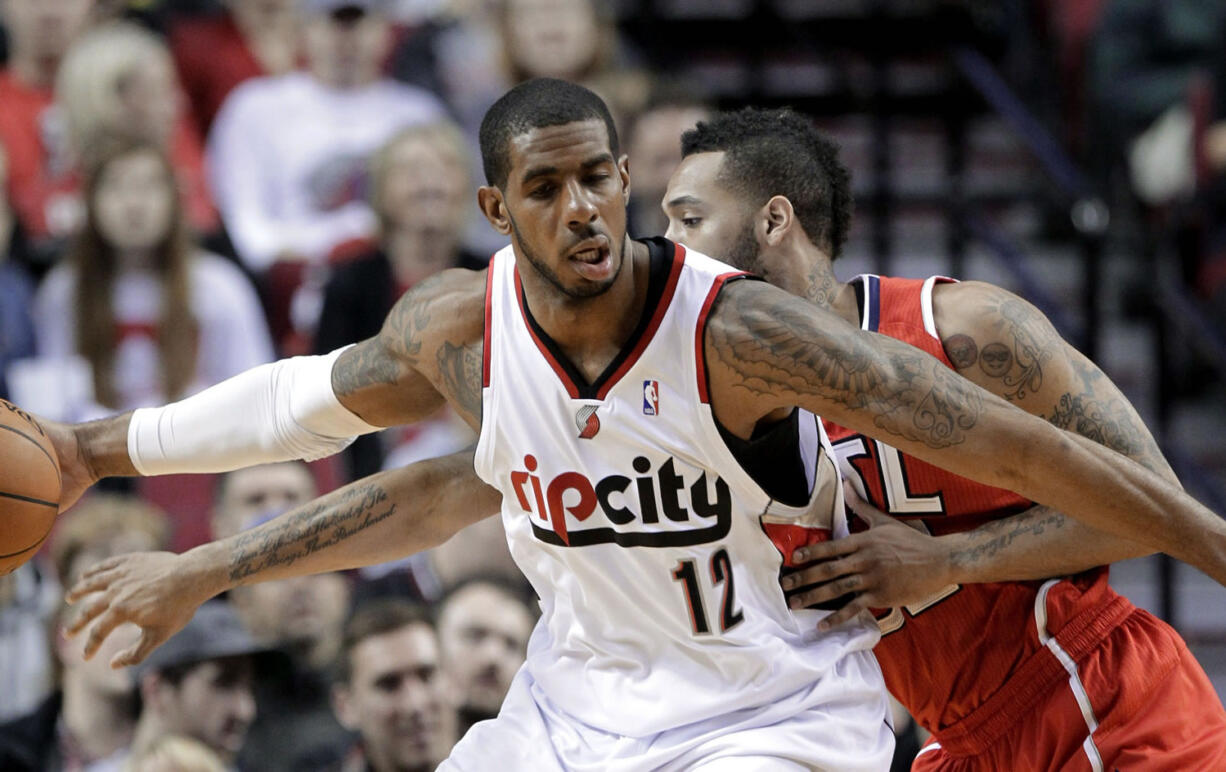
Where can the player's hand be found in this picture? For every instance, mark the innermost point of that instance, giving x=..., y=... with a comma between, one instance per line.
x=891, y=564
x=156, y=591
x=75, y=472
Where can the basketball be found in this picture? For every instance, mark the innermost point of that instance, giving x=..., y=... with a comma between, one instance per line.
x=29, y=486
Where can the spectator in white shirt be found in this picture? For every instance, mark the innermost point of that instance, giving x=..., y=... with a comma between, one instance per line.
x=154, y=317
x=287, y=154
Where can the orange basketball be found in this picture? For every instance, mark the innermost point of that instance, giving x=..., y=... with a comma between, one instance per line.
x=29, y=486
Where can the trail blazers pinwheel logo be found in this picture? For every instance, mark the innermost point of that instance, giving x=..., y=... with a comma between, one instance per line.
x=587, y=421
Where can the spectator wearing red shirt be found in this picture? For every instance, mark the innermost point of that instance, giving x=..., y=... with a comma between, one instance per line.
x=213, y=54
x=41, y=186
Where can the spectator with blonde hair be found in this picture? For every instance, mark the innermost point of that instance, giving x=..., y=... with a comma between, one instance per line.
x=119, y=80
x=153, y=316
x=421, y=196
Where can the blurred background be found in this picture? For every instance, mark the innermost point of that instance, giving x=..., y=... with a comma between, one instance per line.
x=189, y=188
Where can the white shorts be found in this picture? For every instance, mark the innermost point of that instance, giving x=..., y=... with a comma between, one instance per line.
x=840, y=723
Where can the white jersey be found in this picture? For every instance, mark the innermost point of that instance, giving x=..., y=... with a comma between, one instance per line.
x=644, y=537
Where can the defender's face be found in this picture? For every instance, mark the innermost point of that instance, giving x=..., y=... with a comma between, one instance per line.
x=702, y=213
x=566, y=200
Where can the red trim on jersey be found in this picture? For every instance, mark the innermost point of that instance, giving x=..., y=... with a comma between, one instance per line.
x=699, y=354
x=485, y=338
x=666, y=298
x=571, y=388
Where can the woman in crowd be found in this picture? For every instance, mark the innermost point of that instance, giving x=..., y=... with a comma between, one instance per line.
x=154, y=317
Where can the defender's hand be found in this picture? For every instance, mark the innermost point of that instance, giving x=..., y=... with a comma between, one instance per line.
x=889, y=565
x=156, y=591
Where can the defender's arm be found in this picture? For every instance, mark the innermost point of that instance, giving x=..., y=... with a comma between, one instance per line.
x=1006, y=345
x=767, y=350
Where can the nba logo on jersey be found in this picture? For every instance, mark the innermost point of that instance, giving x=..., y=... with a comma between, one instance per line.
x=651, y=398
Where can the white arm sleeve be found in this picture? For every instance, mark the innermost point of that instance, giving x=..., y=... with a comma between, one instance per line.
x=275, y=412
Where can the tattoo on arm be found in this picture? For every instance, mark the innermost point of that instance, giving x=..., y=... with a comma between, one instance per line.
x=961, y=350
x=315, y=528
x=365, y=364
x=379, y=359
x=1019, y=362
x=1000, y=534
x=1023, y=344
x=781, y=347
x=460, y=369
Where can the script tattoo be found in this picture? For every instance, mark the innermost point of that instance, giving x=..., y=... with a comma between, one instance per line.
x=1001, y=533
x=314, y=528
x=460, y=370
x=781, y=347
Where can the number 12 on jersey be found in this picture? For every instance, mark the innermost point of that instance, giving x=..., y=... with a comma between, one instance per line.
x=687, y=574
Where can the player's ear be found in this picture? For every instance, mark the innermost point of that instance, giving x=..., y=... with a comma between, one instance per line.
x=489, y=198
x=780, y=218
x=623, y=169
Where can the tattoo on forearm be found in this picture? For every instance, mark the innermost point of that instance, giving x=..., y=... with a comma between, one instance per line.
x=322, y=525
x=778, y=349
x=460, y=370
x=1001, y=533
x=1083, y=414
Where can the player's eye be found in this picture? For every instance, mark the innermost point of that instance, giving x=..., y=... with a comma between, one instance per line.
x=542, y=193
x=691, y=222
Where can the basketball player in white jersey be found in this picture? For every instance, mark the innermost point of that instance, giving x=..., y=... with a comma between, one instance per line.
x=665, y=641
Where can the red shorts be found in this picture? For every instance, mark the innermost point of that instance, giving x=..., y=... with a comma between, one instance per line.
x=1150, y=708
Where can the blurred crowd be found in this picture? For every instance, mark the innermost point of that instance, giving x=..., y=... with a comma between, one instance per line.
x=190, y=189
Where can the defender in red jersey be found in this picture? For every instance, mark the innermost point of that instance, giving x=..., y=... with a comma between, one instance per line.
x=1007, y=666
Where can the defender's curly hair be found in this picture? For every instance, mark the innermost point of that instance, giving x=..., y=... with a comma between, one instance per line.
x=781, y=153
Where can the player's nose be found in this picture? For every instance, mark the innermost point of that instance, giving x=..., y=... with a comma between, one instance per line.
x=580, y=208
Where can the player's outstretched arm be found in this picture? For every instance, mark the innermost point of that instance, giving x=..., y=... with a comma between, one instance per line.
x=304, y=407
x=1007, y=346
x=767, y=350
x=380, y=518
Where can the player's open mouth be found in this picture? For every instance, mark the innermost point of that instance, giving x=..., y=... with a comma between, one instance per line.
x=593, y=259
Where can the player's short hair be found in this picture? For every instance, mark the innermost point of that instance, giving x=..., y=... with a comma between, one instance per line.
x=535, y=104
x=781, y=153
x=377, y=617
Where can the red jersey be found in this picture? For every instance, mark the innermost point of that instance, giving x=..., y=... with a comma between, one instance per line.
x=972, y=659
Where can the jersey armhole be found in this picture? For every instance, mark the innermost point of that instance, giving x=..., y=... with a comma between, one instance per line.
x=700, y=329
x=489, y=314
